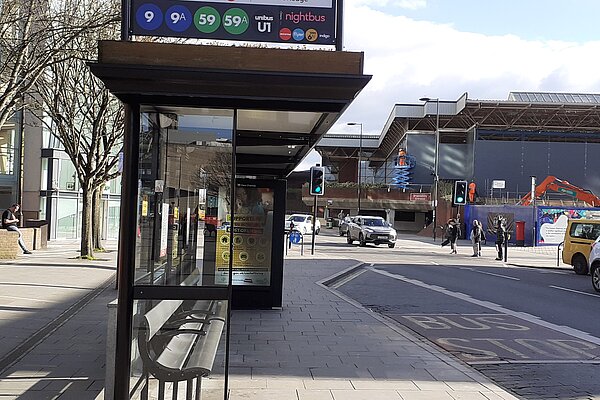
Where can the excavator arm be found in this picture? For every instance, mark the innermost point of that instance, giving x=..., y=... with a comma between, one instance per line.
x=558, y=185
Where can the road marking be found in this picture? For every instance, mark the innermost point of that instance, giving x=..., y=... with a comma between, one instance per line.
x=434, y=263
x=574, y=291
x=498, y=275
x=534, y=362
x=496, y=307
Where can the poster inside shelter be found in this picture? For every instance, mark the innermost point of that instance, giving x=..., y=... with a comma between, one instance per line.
x=252, y=239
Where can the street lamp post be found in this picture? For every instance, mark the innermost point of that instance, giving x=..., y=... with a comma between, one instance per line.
x=435, y=161
x=359, y=159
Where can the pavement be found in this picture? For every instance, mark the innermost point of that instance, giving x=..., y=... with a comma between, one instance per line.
x=320, y=346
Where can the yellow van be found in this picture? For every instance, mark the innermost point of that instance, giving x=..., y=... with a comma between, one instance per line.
x=579, y=236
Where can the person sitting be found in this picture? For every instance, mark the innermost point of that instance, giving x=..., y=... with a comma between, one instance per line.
x=10, y=223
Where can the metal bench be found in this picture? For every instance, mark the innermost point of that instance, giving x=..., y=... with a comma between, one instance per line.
x=178, y=344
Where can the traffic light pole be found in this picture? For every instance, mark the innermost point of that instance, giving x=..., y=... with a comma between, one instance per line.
x=314, y=227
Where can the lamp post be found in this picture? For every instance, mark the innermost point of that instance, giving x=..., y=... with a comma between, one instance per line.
x=435, y=161
x=359, y=159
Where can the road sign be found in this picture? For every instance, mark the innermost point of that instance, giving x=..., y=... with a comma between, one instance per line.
x=420, y=196
x=295, y=237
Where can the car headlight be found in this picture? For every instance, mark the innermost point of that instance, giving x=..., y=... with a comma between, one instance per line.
x=368, y=230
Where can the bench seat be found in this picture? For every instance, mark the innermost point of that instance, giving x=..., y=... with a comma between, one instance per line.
x=178, y=341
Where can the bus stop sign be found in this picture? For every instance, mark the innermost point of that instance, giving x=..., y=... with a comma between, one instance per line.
x=295, y=237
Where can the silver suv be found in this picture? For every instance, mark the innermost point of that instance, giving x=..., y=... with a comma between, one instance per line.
x=371, y=230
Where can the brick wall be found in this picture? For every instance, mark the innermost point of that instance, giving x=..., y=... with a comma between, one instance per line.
x=9, y=245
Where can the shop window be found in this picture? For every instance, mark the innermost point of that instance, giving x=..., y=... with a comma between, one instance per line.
x=44, y=177
x=67, y=177
x=66, y=218
x=7, y=151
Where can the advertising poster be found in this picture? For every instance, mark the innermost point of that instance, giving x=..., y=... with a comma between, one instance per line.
x=276, y=21
x=252, y=230
x=552, y=222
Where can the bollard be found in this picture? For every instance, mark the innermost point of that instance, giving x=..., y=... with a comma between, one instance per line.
x=506, y=246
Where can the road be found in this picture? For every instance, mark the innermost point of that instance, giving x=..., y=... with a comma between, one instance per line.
x=534, y=331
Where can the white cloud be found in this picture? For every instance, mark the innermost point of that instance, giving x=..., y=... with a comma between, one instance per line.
x=406, y=4
x=410, y=4
x=411, y=59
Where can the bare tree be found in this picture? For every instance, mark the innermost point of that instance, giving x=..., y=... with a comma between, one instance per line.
x=35, y=35
x=216, y=173
x=83, y=115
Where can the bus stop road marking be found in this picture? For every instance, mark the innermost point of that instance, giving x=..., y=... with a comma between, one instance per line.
x=494, y=307
x=494, y=338
x=574, y=291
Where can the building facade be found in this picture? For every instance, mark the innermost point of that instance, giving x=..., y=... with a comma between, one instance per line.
x=497, y=144
x=36, y=172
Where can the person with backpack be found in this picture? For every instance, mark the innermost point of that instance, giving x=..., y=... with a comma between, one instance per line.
x=10, y=223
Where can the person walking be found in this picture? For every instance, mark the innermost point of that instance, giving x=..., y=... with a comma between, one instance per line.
x=476, y=233
x=454, y=230
x=10, y=223
x=500, y=238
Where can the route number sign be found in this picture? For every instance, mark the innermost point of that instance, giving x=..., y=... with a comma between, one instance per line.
x=277, y=21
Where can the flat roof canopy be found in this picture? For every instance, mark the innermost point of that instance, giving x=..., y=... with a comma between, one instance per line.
x=547, y=116
x=286, y=99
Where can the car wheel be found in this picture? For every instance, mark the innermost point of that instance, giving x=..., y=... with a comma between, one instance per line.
x=391, y=245
x=579, y=265
x=317, y=231
x=596, y=278
x=349, y=238
x=362, y=241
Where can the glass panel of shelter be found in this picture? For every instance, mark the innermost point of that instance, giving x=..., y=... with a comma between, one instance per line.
x=184, y=201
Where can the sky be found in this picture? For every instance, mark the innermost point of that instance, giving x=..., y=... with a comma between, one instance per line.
x=487, y=48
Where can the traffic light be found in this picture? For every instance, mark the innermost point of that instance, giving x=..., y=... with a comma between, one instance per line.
x=317, y=181
x=459, y=197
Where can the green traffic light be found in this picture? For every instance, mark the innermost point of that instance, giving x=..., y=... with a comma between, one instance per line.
x=460, y=199
x=317, y=189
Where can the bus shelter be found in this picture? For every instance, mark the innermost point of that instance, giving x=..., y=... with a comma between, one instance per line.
x=211, y=134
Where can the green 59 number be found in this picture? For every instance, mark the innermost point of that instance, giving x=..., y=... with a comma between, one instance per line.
x=207, y=19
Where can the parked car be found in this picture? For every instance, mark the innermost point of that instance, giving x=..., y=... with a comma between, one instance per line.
x=302, y=223
x=579, y=237
x=595, y=264
x=344, y=223
x=371, y=230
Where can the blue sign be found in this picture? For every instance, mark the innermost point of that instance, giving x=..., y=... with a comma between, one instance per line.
x=295, y=237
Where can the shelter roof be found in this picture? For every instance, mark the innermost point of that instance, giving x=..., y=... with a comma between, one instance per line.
x=287, y=99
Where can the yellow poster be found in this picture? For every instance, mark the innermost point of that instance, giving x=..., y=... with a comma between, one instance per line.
x=252, y=230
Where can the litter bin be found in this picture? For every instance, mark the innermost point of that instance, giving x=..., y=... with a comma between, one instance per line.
x=329, y=223
x=520, y=233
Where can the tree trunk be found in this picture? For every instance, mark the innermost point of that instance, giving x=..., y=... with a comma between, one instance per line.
x=96, y=219
x=86, y=222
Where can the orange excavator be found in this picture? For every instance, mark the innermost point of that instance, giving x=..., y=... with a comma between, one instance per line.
x=560, y=186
